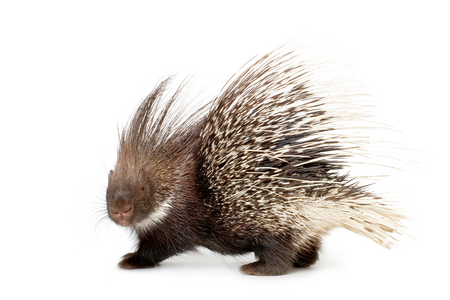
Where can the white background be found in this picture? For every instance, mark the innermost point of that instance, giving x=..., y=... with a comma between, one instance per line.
x=71, y=72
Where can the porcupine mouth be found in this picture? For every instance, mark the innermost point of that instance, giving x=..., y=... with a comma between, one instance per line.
x=123, y=223
x=121, y=216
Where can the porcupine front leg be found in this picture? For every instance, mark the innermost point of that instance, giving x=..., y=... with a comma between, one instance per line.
x=132, y=261
x=151, y=251
x=275, y=256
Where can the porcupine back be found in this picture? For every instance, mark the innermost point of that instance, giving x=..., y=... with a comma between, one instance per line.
x=273, y=155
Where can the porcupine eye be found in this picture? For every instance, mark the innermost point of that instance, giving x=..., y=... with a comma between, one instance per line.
x=142, y=188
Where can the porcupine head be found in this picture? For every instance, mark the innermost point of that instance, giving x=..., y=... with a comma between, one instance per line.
x=258, y=172
x=153, y=188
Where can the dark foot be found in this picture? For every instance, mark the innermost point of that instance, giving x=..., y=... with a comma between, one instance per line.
x=261, y=268
x=130, y=261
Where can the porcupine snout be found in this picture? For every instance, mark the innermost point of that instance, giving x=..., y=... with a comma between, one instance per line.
x=121, y=210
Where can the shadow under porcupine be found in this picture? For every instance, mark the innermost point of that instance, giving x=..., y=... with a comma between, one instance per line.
x=259, y=170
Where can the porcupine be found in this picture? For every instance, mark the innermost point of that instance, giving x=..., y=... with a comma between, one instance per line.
x=259, y=170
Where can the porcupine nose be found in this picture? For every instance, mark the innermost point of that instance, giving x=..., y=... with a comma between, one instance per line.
x=121, y=212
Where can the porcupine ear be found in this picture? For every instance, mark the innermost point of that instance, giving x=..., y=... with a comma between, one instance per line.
x=110, y=175
x=142, y=179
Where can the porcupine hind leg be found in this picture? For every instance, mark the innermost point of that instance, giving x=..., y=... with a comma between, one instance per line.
x=275, y=255
x=308, y=253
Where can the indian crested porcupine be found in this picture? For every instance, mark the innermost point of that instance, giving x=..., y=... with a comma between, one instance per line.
x=259, y=170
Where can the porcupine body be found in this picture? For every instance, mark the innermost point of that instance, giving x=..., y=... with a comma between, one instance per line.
x=257, y=171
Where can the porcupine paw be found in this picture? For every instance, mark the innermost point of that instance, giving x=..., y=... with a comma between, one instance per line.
x=261, y=268
x=130, y=261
